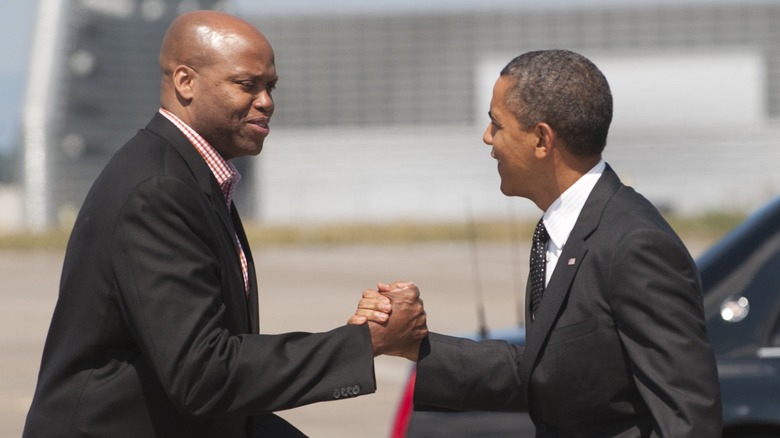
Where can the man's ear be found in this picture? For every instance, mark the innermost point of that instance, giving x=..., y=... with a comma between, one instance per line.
x=184, y=82
x=545, y=137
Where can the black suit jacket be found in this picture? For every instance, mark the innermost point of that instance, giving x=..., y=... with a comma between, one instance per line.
x=617, y=348
x=152, y=335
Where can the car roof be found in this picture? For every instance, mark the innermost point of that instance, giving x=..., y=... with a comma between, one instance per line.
x=742, y=272
x=719, y=261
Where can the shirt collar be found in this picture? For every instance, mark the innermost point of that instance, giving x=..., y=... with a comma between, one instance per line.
x=560, y=217
x=224, y=171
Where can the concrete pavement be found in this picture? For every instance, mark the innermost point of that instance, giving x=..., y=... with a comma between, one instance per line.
x=302, y=288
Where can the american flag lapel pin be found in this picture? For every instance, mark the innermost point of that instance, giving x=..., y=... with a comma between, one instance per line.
x=572, y=261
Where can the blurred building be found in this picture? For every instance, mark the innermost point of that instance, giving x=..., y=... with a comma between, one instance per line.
x=420, y=70
x=380, y=117
x=94, y=80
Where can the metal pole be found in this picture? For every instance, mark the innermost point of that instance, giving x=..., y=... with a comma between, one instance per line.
x=40, y=102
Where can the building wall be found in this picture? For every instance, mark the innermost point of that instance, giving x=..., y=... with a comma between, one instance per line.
x=421, y=69
x=377, y=112
x=442, y=173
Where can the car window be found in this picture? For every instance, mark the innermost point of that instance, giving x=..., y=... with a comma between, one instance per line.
x=751, y=291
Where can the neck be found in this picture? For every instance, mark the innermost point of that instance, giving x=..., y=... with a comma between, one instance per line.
x=567, y=172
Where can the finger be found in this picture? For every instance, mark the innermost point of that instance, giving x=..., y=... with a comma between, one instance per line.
x=409, y=288
x=372, y=315
x=407, y=295
x=357, y=320
x=374, y=299
x=379, y=317
x=384, y=287
x=380, y=304
x=398, y=284
x=370, y=293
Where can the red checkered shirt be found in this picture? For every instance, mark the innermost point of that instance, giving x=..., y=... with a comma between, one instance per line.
x=224, y=171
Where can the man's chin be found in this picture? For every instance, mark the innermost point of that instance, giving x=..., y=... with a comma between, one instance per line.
x=243, y=151
x=253, y=148
x=257, y=150
x=506, y=190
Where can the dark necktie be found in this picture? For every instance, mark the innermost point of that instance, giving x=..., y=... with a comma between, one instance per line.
x=538, y=263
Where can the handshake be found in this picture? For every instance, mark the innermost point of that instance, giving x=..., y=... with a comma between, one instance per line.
x=395, y=317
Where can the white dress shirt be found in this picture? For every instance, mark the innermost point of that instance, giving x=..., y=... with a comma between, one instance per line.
x=560, y=217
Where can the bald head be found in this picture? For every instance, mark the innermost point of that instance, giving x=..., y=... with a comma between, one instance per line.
x=202, y=38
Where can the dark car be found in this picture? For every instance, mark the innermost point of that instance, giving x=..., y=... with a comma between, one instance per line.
x=741, y=279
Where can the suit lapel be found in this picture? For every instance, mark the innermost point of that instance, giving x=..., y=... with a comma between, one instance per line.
x=253, y=304
x=206, y=181
x=538, y=328
x=208, y=184
x=200, y=170
x=574, y=252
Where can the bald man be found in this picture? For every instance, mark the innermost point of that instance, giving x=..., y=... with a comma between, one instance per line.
x=155, y=332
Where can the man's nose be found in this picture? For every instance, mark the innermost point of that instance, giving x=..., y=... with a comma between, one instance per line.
x=264, y=102
x=487, y=137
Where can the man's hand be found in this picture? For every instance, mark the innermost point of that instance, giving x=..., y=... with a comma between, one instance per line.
x=396, y=319
x=373, y=307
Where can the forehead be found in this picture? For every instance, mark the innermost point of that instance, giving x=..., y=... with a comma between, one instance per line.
x=252, y=65
x=498, y=103
x=247, y=57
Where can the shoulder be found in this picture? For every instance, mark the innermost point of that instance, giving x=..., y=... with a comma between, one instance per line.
x=628, y=210
x=145, y=158
x=633, y=231
x=146, y=155
x=629, y=222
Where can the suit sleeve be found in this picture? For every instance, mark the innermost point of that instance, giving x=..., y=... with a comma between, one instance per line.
x=464, y=375
x=170, y=290
x=657, y=304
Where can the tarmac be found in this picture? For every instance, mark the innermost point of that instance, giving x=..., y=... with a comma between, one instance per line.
x=302, y=288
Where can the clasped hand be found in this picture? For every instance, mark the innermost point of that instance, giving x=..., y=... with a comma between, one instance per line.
x=395, y=317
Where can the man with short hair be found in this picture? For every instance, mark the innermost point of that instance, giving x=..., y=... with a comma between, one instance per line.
x=155, y=332
x=615, y=333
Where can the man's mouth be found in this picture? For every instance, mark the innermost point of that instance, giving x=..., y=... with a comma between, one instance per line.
x=260, y=125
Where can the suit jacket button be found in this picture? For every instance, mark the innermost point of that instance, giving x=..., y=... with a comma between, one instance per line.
x=356, y=390
x=337, y=393
x=541, y=428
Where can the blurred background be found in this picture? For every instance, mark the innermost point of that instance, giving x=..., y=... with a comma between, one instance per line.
x=381, y=105
x=380, y=110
